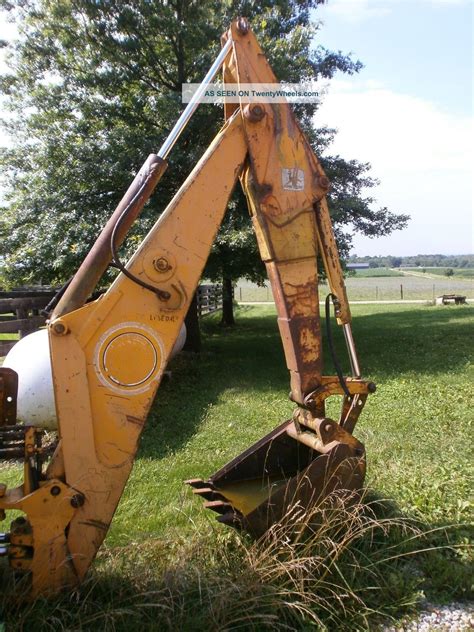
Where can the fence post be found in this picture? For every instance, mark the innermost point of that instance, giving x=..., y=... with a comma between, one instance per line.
x=376, y=292
x=401, y=291
x=199, y=301
x=22, y=313
x=433, y=292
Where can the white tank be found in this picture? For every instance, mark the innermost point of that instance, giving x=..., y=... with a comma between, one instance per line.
x=31, y=359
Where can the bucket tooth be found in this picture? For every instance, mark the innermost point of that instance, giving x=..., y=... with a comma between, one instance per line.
x=209, y=494
x=232, y=519
x=196, y=483
x=219, y=506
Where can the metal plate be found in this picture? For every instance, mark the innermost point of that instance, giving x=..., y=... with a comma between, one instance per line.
x=8, y=396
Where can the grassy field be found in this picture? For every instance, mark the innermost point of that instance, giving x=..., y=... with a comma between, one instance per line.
x=466, y=273
x=368, y=288
x=377, y=272
x=168, y=566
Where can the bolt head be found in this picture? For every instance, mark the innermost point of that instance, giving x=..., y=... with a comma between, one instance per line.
x=161, y=264
x=59, y=328
x=55, y=490
x=77, y=501
x=254, y=112
x=243, y=26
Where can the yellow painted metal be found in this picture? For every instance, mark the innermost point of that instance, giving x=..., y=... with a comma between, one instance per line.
x=248, y=495
x=283, y=182
x=332, y=263
x=49, y=510
x=109, y=363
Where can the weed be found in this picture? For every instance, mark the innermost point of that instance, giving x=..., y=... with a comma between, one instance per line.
x=337, y=566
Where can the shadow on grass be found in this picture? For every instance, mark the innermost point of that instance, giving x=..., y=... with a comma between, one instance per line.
x=424, y=340
x=247, y=357
x=250, y=357
x=366, y=564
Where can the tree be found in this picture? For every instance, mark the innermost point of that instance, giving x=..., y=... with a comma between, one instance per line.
x=449, y=272
x=95, y=86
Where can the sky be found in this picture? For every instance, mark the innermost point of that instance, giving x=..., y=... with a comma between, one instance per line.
x=408, y=112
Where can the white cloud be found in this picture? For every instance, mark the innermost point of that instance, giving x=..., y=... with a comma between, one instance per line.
x=422, y=155
x=357, y=11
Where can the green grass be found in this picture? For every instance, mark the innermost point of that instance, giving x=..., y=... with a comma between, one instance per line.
x=465, y=273
x=167, y=565
x=377, y=272
x=382, y=288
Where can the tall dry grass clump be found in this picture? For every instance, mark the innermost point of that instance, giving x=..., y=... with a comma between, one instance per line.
x=332, y=567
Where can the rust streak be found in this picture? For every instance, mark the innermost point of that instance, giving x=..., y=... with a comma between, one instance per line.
x=135, y=420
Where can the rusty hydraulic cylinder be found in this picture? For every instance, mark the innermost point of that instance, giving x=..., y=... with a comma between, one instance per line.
x=100, y=255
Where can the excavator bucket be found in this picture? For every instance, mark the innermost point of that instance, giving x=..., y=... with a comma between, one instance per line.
x=262, y=485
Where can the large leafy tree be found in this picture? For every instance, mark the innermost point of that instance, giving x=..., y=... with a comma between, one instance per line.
x=95, y=85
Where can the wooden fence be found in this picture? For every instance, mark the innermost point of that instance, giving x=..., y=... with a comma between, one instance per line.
x=20, y=310
x=209, y=299
x=20, y=313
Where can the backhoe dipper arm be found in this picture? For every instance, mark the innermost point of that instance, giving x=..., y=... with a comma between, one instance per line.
x=286, y=187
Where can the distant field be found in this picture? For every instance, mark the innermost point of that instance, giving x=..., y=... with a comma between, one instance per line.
x=377, y=272
x=386, y=288
x=467, y=273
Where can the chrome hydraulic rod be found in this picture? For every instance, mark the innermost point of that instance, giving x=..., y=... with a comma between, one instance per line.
x=192, y=105
x=352, y=350
x=99, y=257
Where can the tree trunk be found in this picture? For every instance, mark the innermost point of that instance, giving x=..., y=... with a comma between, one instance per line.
x=193, y=333
x=227, y=303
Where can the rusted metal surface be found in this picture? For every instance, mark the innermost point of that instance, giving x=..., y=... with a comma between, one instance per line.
x=261, y=485
x=330, y=385
x=309, y=456
x=282, y=181
x=100, y=255
x=351, y=410
x=8, y=396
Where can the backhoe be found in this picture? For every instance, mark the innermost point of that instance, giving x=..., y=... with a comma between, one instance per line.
x=94, y=372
